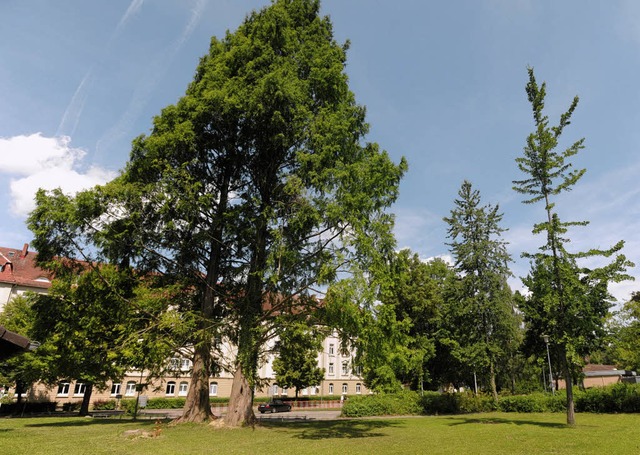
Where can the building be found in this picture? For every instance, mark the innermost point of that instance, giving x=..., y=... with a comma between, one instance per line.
x=19, y=274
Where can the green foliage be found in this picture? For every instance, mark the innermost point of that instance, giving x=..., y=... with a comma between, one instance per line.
x=625, y=336
x=435, y=403
x=567, y=302
x=296, y=364
x=256, y=187
x=524, y=403
x=71, y=407
x=153, y=403
x=612, y=399
x=28, y=407
x=104, y=405
x=402, y=403
x=395, y=338
x=480, y=316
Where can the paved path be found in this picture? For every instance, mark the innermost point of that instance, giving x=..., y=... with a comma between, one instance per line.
x=306, y=414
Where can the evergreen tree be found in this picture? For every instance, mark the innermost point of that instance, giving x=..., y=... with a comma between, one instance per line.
x=482, y=305
x=253, y=189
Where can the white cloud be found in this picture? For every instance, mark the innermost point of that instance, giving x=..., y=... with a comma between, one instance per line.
x=36, y=161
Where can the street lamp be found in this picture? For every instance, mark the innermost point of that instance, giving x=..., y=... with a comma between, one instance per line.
x=546, y=341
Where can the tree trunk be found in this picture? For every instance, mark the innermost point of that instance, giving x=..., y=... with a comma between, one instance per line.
x=492, y=379
x=568, y=380
x=240, y=411
x=197, y=407
x=86, y=399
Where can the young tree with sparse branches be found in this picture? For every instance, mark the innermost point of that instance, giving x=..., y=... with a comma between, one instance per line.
x=567, y=302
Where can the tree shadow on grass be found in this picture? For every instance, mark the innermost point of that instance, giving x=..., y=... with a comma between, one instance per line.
x=335, y=429
x=83, y=422
x=461, y=420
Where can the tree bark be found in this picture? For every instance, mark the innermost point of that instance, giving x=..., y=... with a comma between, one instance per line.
x=492, y=374
x=568, y=380
x=86, y=399
x=240, y=411
x=197, y=407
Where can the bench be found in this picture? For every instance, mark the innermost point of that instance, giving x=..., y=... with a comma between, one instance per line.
x=106, y=413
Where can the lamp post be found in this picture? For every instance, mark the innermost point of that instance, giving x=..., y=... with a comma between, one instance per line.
x=546, y=341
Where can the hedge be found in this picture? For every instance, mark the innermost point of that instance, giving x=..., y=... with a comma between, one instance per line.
x=618, y=398
x=28, y=407
x=403, y=403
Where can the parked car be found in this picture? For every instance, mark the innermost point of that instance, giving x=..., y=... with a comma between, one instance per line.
x=274, y=406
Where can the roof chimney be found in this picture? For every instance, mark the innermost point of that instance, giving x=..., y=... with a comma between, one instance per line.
x=25, y=250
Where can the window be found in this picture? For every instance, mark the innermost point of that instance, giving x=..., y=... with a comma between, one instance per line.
x=213, y=388
x=185, y=364
x=171, y=388
x=285, y=391
x=130, y=390
x=331, y=348
x=345, y=389
x=115, y=388
x=358, y=388
x=357, y=370
x=331, y=368
x=275, y=389
x=345, y=367
x=174, y=363
x=330, y=389
x=183, y=389
x=63, y=389
x=79, y=389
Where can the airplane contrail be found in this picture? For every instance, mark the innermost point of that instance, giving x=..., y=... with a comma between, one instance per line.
x=72, y=114
x=149, y=81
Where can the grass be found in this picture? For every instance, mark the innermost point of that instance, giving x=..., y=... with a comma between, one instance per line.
x=494, y=433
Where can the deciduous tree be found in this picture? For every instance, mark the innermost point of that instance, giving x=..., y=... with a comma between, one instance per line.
x=567, y=301
x=296, y=363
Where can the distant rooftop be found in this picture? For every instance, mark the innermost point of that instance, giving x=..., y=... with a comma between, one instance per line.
x=18, y=267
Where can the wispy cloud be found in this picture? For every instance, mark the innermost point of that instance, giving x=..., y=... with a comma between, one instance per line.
x=133, y=9
x=72, y=114
x=36, y=161
x=149, y=81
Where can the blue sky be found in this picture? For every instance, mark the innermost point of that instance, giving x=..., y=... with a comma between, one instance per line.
x=443, y=82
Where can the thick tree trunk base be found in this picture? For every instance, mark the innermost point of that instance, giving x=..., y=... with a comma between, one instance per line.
x=240, y=411
x=197, y=407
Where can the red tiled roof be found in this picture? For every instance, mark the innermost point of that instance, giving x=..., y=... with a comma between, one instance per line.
x=18, y=267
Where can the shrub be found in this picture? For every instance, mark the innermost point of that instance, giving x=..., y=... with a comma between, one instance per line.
x=615, y=398
x=402, y=403
x=71, y=406
x=104, y=405
x=435, y=403
x=523, y=403
x=28, y=407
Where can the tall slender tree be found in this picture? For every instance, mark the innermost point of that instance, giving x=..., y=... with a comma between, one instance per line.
x=483, y=306
x=567, y=302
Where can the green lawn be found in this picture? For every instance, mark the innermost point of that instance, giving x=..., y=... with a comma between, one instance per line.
x=497, y=433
